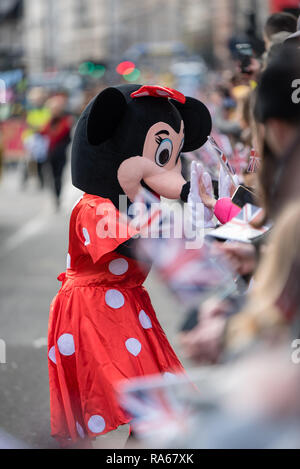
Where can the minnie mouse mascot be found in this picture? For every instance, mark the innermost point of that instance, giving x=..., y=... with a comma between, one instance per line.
x=102, y=326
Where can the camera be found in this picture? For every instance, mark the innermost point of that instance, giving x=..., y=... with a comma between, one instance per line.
x=244, y=54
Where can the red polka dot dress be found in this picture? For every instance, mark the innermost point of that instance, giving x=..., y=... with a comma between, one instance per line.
x=102, y=328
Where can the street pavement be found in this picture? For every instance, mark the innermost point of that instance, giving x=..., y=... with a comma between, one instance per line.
x=33, y=247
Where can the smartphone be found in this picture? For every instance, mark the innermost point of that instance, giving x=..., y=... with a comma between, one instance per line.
x=244, y=53
x=243, y=196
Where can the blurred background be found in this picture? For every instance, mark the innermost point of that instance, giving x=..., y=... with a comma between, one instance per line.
x=55, y=55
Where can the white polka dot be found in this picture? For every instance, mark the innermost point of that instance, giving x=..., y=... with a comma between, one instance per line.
x=118, y=266
x=114, y=299
x=145, y=320
x=51, y=354
x=68, y=261
x=86, y=236
x=66, y=344
x=80, y=430
x=133, y=346
x=96, y=424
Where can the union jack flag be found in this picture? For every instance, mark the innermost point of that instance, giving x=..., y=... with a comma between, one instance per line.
x=239, y=159
x=223, y=158
x=254, y=162
x=190, y=274
x=146, y=213
x=223, y=142
x=249, y=213
x=156, y=406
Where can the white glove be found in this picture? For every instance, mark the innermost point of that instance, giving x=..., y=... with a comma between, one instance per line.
x=225, y=183
x=194, y=197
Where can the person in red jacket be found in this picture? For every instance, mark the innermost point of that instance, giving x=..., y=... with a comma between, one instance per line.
x=58, y=132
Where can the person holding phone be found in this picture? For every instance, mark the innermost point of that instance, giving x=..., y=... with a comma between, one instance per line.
x=278, y=119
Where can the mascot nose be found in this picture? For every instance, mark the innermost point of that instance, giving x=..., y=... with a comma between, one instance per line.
x=165, y=183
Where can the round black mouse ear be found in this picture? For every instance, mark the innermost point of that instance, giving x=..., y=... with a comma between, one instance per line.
x=105, y=114
x=197, y=123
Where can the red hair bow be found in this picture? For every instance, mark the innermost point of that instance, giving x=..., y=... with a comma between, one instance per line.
x=158, y=92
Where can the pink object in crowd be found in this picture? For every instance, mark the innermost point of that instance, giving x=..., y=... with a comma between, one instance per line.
x=225, y=210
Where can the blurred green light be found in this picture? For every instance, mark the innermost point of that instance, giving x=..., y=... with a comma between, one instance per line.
x=99, y=71
x=86, y=68
x=133, y=76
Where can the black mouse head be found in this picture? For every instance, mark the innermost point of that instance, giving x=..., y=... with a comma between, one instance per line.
x=132, y=121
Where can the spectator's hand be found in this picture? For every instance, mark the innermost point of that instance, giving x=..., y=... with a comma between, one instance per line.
x=204, y=343
x=241, y=256
x=199, y=176
x=208, y=200
x=253, y=70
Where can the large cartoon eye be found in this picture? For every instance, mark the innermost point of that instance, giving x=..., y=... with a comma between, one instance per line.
x=164, y=152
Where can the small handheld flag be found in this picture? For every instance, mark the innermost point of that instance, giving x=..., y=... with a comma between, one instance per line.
x=223, y=159
x=254, y=162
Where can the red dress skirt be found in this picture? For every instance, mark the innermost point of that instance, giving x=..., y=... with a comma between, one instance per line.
x=102, y=328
